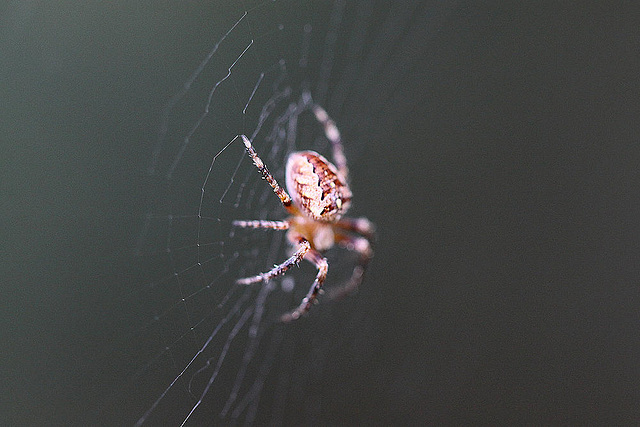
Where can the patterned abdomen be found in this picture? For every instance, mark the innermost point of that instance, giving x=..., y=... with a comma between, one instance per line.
x=316, y=187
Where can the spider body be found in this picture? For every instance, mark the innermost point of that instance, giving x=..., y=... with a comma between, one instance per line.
x=320, y=196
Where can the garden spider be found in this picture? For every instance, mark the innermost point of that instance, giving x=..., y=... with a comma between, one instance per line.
x=319, y=197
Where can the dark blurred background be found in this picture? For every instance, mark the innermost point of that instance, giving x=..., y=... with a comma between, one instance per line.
x=501, y=169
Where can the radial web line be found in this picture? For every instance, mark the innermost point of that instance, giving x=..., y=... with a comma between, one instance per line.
x=168, y=108
x=205, y=113
x=231, y=313
x=243, y=319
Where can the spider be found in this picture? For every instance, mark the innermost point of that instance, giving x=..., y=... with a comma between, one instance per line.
x=320, y=196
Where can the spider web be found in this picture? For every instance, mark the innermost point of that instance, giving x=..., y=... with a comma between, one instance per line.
x=205, y=350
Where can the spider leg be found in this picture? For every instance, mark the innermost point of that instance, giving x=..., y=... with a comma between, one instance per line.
x=272, y=225
x=304, y=247
x=257, y=161
x=363, y=247
x=361, y=226
x=321, y=263
x=333, y=135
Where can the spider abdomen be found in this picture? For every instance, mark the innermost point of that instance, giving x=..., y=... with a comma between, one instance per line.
x=316, y=187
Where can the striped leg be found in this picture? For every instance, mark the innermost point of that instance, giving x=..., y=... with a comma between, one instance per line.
x=280, y=192
x=323, y=266
x=304, y=247
x=333, y=135
x=272, y=225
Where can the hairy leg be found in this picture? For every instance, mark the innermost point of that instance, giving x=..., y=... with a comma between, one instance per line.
x=333, y=135
x=303, y=248
x=257, y=161
x=259, y=223
x=321, y=263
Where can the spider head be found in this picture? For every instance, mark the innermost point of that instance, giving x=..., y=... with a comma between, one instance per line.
x=316, y=187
